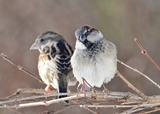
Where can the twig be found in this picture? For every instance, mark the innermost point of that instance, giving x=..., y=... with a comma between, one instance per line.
x=133, y=110
x=121, y=106
x=151, y=111
x=128, y=97
x=112, y=95
x=143, y=51
x=94, y=112
x=40, y=103
x=131, y=86
x=26, y=90
x=135, y=70
x=20, y=67
x=29, y=90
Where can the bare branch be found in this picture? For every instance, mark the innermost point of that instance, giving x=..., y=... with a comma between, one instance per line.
x=135, y=70
x=91, y=110
x=127, y=100
x=143, y=51
x=130, y=85
x=133, y=110
x=151, y=111
x=20, y=67
x=121, y=106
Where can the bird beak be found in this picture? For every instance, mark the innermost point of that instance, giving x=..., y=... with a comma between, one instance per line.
x=34, y=46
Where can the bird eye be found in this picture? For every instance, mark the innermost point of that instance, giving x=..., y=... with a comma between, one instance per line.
x=41, y=40
x=81, y=37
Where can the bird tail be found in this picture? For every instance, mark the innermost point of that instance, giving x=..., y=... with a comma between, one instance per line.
x=63, y=89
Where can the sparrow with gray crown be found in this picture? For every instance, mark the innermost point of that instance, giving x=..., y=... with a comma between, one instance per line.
x=94, y=58
x=54, y=61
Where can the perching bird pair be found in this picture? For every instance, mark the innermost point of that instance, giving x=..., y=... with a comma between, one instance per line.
x=93, y=59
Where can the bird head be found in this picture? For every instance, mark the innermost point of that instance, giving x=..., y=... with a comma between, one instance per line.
x=44, y=41
x=88, y=35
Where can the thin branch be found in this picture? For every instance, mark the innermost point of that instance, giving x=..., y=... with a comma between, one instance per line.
x=151, y=111
x=75, y=102
x=40, y=103
x=135, y=70
x=130, y=85
x=121, y=106
x=28, y=90
x=116, y=96
x=20, y=67
x=94, y=112
x=112, y=95
x=133, y=110
x=143, y=51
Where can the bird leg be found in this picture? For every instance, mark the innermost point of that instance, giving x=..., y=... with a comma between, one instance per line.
x=83, y=87
x=93, y=89
x=47, y=89
x=106, y=91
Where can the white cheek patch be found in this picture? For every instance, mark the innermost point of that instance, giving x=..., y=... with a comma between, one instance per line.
x=94, y=36
x=80, y=46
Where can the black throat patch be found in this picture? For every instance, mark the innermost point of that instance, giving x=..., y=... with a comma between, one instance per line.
x=93, y=49
x=88, y=44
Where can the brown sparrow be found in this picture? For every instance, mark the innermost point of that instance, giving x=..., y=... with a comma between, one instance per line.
x=54, y=61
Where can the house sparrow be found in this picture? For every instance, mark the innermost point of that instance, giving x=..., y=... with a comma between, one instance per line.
x=94, y=58
x=54, y=61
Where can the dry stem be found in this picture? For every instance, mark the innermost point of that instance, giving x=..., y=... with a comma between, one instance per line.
x=135, y=70
x=20, y=67
x=143, y=51
x=131, y=86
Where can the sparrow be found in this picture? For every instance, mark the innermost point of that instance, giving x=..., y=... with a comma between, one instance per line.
x=54, y=65
x=94, y=57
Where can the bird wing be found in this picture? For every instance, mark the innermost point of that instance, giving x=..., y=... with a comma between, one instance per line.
x=63, y=64
x=60, y=59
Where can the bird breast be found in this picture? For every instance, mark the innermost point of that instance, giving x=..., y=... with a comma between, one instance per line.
x=95, y=66
x=48, y=75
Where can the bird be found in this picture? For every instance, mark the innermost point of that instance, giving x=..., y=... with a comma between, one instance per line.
x=94, y=58
x=54, y=65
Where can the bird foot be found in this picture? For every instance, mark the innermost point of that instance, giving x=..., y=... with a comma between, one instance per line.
x=105, y=91
x=94, y=92
x=47, y=89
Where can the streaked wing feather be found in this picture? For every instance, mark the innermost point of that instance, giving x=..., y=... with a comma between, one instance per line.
x=63, y=64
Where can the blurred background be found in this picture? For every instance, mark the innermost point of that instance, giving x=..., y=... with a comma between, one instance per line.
x=120, y=22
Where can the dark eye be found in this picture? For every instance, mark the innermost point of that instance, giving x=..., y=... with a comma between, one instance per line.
x=41, y=40
x=81, y=37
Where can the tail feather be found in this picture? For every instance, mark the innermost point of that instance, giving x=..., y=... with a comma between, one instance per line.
x=63, y=89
